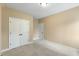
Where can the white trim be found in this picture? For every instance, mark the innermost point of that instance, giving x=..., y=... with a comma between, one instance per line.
x=59, y=48
x=15, y=47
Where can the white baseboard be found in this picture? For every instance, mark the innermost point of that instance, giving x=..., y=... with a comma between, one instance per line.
x=59, y=48
x=13, y=48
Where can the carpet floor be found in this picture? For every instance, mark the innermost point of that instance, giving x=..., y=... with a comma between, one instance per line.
x=31, y=50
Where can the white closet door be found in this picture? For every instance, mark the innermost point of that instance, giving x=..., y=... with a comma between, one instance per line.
x=24, y=32
x=18, y=32
x=13, y=33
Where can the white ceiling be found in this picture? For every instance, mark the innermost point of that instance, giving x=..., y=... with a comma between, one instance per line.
x=38, y=11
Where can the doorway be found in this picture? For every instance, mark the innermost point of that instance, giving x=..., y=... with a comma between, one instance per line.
x=39, y=34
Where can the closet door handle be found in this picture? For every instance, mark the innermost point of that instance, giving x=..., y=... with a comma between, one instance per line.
x=20, y=34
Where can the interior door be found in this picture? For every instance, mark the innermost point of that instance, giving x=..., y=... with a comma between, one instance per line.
x=13, y=32
x=24, y=32
x=41, y=31
x=39, y=35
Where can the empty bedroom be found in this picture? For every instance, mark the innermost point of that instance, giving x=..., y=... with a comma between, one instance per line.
x=39, y=29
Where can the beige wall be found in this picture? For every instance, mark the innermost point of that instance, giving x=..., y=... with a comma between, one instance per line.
x=63, y=27
x=35, y=23
x=6, y=13
x=0, y=25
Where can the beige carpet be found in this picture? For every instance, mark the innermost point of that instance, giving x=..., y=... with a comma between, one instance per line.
x=31, y=50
